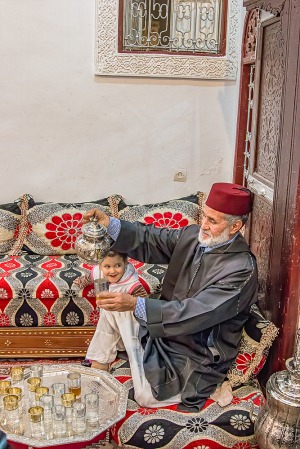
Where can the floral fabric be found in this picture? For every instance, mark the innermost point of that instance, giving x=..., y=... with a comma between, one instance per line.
x=55, y=227
x=258, y=335
x=212, y=428
x=171, y=214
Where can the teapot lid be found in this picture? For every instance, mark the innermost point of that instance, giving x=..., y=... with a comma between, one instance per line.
x=93, y=229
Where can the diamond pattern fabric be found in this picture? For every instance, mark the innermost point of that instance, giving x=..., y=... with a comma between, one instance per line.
x=38, y=290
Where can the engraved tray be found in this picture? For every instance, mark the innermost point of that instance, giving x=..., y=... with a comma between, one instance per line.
x=92, y=381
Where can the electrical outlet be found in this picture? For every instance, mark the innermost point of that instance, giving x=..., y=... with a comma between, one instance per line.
x=180, y=174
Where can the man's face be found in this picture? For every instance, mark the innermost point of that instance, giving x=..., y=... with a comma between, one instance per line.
x=214, y=228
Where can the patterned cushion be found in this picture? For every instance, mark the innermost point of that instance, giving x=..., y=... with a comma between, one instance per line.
x=258, y=336
x=37, y=290
x=212, y=428
x=172, y=214
x=10, y=216
x=54, y=227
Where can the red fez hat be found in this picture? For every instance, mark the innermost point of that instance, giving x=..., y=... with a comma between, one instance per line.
x=228, y=198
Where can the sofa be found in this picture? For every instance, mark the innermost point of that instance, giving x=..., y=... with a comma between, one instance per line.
x=43, y=314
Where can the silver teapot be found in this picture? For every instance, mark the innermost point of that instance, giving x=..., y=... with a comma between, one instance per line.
x=277, y=423
x=93, y=245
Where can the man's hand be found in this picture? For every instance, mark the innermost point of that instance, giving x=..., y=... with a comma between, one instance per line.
x=117, y=302
x=101, y=217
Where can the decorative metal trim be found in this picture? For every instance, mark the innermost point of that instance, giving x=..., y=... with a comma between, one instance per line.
x=108, y=61
x=259, y=188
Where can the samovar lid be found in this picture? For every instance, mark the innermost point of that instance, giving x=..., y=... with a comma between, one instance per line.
x=285, y=385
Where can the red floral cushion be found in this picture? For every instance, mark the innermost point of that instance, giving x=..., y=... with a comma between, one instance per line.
x=171, y=214
x=258, y=336
x=54, y=227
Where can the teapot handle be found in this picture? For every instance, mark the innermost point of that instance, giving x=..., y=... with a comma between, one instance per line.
x=255, y=409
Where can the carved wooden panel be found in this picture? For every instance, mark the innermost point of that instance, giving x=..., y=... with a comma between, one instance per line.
x=270, y=102
x=260, y=240
x=250, y=36
x=42, y=342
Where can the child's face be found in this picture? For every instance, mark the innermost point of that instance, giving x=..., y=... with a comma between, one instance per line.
x=113, y=268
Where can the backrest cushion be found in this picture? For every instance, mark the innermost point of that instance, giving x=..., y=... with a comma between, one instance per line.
x=54, y=227
x=257, y=338
x=171, y=214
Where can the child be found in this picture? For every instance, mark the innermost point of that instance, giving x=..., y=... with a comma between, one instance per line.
x=118, y=331
x=122, y=277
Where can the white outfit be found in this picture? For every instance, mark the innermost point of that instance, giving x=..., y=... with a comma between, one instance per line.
x=119, y=331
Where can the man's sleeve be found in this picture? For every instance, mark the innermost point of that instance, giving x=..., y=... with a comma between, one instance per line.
x=213, y=305
x=140, y=309
x=146, y=243
x=113, y=228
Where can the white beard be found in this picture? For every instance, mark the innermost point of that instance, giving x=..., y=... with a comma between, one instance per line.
x=214, y=241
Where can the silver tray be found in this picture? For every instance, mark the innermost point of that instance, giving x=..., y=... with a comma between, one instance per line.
x=92, y=381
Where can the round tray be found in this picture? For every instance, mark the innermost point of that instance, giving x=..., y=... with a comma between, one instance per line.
x=92, y=381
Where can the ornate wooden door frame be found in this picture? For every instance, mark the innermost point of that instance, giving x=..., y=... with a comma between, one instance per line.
x=283, y=281
x=248, y=58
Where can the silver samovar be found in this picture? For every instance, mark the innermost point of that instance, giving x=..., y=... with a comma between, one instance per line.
x=277, y=423
x=93, y=245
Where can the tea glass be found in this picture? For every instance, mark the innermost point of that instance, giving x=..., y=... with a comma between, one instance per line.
x=33, y=383
x=58, y=389
x=68, y=400
x=36, y=371
x=59, y=420
x=11, y=408
x=36, y=415
x=74, y=384
x=92, y=407
x=78, y=417
x=47, y=401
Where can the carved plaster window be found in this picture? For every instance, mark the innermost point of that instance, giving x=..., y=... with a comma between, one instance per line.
x=168, y=38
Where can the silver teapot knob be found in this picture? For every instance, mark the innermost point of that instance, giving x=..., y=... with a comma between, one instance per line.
x=94, y=242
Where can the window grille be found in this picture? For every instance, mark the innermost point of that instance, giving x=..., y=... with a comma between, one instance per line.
x=193, y=26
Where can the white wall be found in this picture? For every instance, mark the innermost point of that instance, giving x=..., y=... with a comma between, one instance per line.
x=67, y=136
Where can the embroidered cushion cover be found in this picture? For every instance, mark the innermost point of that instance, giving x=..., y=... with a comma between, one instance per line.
x=258, y=336
x=54, y=227
x=212, y=428
x=171, y=214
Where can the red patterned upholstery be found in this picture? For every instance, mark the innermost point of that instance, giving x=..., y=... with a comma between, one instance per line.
x=38, y=290
x=212, y=428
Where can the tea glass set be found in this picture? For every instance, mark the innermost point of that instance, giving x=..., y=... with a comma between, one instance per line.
x=52, y=414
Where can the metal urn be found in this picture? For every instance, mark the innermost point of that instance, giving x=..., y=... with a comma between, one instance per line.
x=277, y=423
x=93, y=245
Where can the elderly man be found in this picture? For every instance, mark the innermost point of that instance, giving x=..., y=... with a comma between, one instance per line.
x=190, y=335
